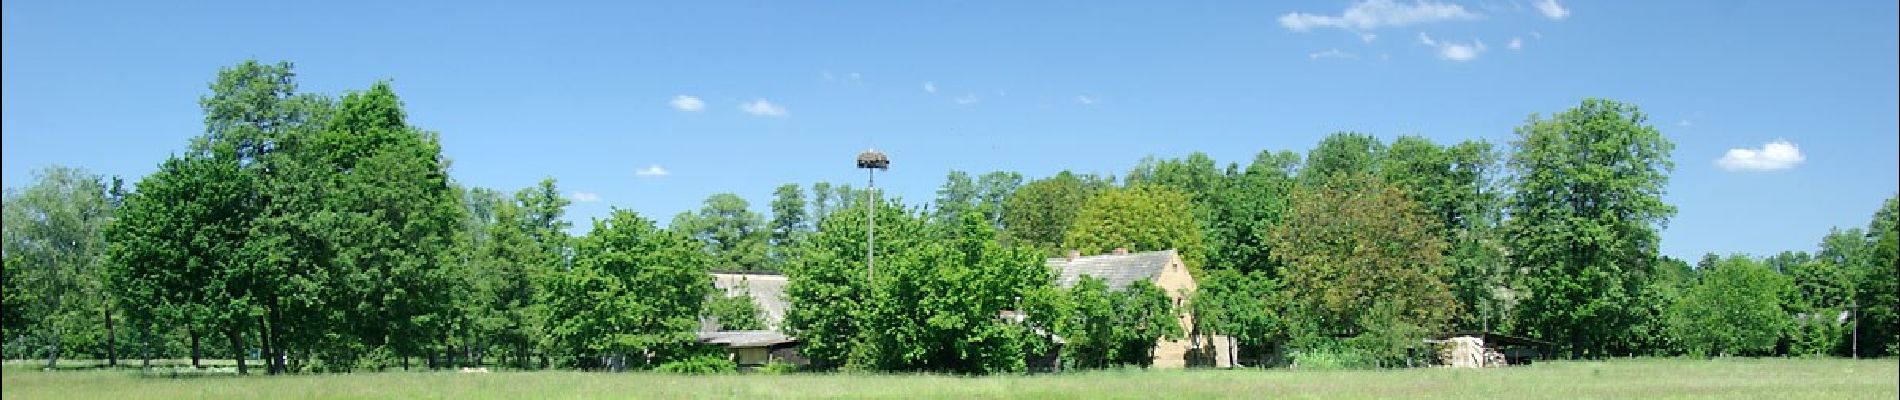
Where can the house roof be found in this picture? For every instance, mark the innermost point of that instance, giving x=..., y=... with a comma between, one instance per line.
x=745, y=338
x=1118, y=270
x=768, y=291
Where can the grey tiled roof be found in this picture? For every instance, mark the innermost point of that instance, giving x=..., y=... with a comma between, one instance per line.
x=1118, y=270
x=768, y=291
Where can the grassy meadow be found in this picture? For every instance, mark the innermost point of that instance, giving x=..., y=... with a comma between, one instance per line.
x=1646, y=378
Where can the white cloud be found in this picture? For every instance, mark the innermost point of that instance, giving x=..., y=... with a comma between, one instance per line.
x=968, y=99
x=687, y=103
x=1373, y=14
x=930, y=87
x=1331, y=53
x=585, y=197
x=1517, y=44
x=1087, y=100
x=655, y=170
x=1552, y=10
x=763, y=108
x=1453, y=51
x=1368, y=37
x=1776, y=155
x=1685, y=123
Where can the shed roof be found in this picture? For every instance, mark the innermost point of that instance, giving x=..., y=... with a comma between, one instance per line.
x=745, y=338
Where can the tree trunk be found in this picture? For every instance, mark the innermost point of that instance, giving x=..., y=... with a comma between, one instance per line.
x=237, y=349
x=52, y=354
x=145, y=351
x=112, y=339
x=263, y=333
x=196, y=350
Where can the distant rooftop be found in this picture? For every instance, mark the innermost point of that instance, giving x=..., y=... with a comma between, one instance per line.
x=768, y=291
x=1118, y=270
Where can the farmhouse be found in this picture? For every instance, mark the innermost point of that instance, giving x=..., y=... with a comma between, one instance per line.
x=1166, y=271
x=1118, y=269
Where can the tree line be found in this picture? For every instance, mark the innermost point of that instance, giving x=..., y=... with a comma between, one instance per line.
x=309, y=234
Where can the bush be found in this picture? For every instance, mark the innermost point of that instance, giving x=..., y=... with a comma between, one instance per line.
x=1333, y=358
x=778, y=368
x=701, y=364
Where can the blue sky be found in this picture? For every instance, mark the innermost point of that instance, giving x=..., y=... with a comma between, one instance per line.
x=590, y=93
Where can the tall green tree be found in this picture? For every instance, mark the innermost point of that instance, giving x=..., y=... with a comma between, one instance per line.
x=633, y=296
x=1342, y=153
x=790, y=223
x=1455, y=186
x=1736, y=309
x=1877, y=287
x=1042, y=211
x=932, y=304
x=956, y=197
x=733, y=234
x=1140, y=218
x=55, y=232
x=993, y=189
x=1356, y=245
x=1245, y=213
x=391, y=227
x=1245, y=307
x=1586, y=207
x=789, y=219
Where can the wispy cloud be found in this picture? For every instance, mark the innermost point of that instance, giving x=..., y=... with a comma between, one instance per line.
x=930, y=87
x=585, y=197
x=1772, y=156
x=1552, y=10
x=1368, y=15
x=1453, y=51
x=848, y=78
x=687, y=103
x=655, y=170
x=1087, y=100
x=763, y=108
x=1516, y=44
x=1330, y=53
x=968, y=99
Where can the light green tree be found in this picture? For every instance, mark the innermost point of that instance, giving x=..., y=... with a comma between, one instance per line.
x=633, y=296
x=1736, y=309
x=1140, y=218
x=55, y=233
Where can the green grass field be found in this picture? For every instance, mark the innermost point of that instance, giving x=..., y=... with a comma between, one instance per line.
x=1646, y=378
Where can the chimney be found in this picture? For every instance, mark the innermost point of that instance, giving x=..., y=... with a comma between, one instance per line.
x=1121, y=251
x=1074, y=254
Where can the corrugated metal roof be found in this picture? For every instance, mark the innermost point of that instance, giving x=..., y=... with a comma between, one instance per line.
x=1118, y=270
